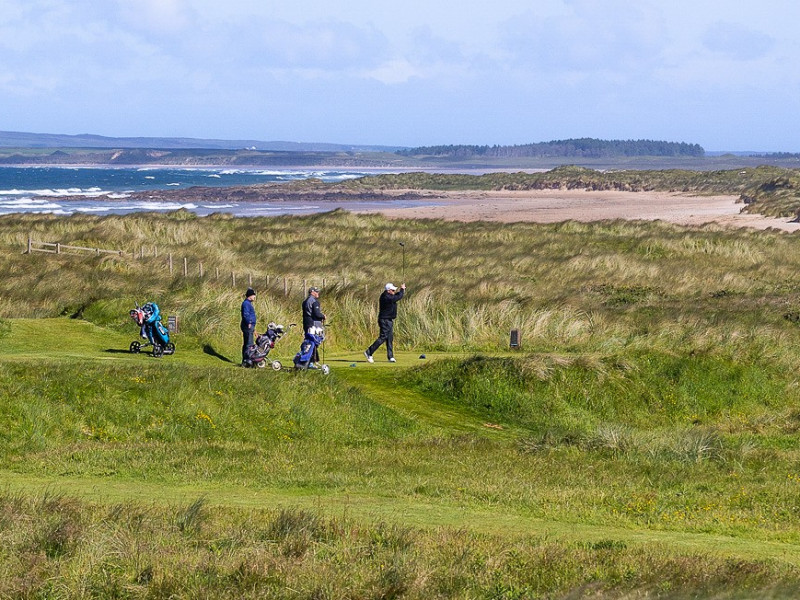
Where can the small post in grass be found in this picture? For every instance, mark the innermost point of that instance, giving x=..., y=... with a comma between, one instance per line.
x=515, y=339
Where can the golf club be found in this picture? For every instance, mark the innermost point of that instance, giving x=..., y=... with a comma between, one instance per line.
x=325, y=368
x=403, y=246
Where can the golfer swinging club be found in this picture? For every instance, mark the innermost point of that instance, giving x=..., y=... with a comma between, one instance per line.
x=387, y=313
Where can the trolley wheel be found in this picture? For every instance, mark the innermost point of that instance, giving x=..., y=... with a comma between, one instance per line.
x=325, y=369
x=158, y=350
x=169, y=349
x=135, y=347
x=261, y=364
x=276, y=365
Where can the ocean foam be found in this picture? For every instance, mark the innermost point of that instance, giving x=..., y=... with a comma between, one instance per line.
x=163, y=206
x=92, y=209
x=28, y=203
x=48, y=193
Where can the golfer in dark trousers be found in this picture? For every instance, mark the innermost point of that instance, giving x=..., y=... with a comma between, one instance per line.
x=312, y=315
x=248, y=324
x=387, y=313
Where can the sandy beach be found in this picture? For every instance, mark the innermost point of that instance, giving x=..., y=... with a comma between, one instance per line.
x=553, y=206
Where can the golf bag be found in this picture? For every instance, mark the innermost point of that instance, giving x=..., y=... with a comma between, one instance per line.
x=313, y=339
x=148, y=318
x=257, y=353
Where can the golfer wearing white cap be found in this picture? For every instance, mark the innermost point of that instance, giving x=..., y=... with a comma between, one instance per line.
x=387, y=313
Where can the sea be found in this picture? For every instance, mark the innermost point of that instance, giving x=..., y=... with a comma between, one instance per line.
x=105, y=191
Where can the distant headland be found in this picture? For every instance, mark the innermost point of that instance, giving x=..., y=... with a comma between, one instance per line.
x=20, y=148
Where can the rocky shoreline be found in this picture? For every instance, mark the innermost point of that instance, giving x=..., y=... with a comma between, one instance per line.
x=265, y=193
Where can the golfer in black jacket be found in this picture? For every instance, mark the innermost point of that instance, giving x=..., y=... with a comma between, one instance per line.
x=312, y=315
x=387, y=313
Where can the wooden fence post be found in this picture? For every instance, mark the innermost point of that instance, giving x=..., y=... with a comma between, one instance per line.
x=285, y=287
x=250, y=280
x=216, y=273
x=233, y=279
x=30, y=244
x=185, y=267
x=58, y=248
x=201, y=269
x=170, y=263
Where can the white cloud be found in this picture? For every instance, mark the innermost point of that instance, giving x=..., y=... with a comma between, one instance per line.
x=737, y=41
x=393, y=72
x=157, y=16
x=588, y=36
x=334, y=45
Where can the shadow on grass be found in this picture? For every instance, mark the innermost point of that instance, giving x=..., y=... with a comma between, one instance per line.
x=208, y=349
x=117, y=351
x=345, y=360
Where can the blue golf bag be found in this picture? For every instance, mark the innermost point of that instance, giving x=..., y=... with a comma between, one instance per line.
x=153, y=329
x=313, y=339
x=148, y=317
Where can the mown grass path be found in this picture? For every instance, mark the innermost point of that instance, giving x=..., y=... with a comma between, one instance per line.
x=425, y=515
x=65, y=339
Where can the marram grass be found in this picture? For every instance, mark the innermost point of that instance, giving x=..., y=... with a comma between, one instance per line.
x=55, y=547
x=570, y=285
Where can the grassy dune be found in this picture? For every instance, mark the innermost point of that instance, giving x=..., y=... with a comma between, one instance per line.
x=594, y=287
x=642, y=444
x=771, y=191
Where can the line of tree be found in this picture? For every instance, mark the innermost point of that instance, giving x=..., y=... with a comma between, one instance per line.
x=583, y=147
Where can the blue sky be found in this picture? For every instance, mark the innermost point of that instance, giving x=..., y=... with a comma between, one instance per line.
x=722, y=74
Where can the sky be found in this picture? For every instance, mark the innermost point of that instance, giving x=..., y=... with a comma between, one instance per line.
x=718, y=73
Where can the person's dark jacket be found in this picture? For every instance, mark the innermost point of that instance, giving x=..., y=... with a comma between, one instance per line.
x=311, y=312
x=248, y=316
x=387, y=304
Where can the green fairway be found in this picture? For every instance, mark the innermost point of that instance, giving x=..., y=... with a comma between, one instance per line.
x=60, y=342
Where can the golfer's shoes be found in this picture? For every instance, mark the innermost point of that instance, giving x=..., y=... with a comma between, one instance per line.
x=369, y=357
x=392, y=359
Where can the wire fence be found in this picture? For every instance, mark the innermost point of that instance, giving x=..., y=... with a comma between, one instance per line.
x=191, y=268
x=59, y=248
